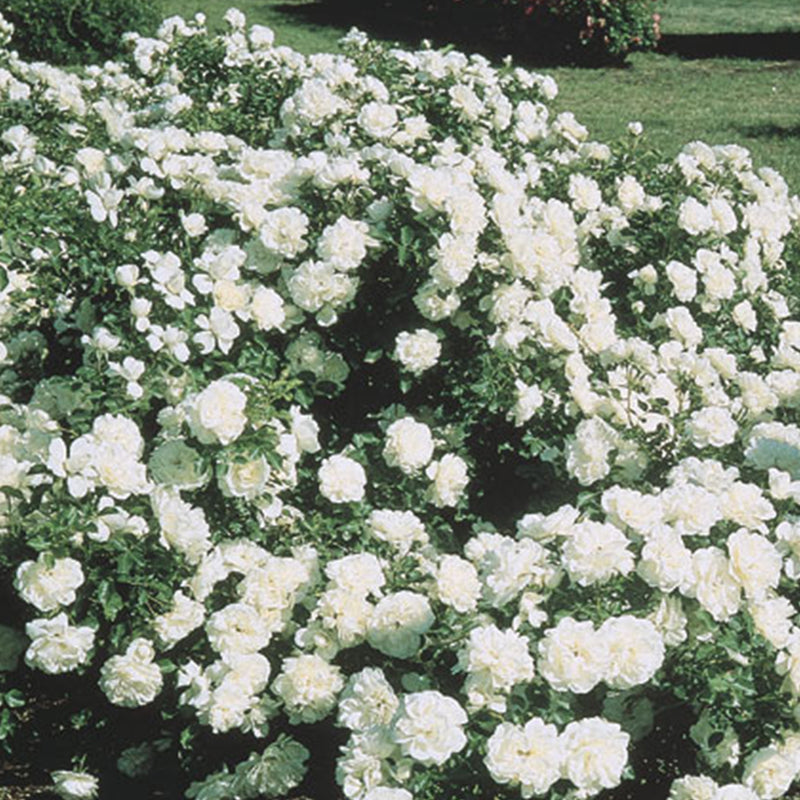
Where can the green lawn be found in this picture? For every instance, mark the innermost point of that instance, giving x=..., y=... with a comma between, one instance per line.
x=751, y=102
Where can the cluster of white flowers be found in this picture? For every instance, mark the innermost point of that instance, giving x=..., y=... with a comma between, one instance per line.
x=366, y=377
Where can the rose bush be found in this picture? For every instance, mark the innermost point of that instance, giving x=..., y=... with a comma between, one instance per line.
x=363, y=419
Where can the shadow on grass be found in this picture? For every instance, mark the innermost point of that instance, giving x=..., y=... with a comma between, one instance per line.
x=762, y=46
x=771, y=131
x=401, y=24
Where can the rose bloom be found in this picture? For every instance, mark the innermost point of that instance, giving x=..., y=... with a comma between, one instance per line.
x=769, y=773
x=531, y=756
x=132, y=679
x=457, y=584
x=308, y=686
x=342, y=479
x=755, y=562
x=636, y=651
x=217, y=414
x=409, y=445
x=74, y=785
x=572, y=657
x=237, y=628
x=428, y=727
x=48, y=585
x=596, y=753
x=56, y=646
x=449, y=479
x=398, y=622
x=417, y=351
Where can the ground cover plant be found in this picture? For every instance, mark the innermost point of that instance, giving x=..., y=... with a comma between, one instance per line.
x=368, y=430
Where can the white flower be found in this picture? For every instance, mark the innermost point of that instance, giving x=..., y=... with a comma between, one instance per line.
x=769, y=773
x=449, y=479
x=237, y=628
x=267, y=309
x=712, y=427
x=56, y=646
x=342, y=479
x=755, y=563
x=417, y=351
x=401, y=529
x=495, y=661
x=308, y=686
x=185, y=616
x=132, y=679
x=48, y=583
x=398, y=622
x=595, y=552
x=457, y=584
x=428, y=727
x=596, y=754
x=367, y=700
x=531, y=756
x=71, y=785
x=635, y=649
x=246, y=479
x=359, y=573
x=217, y=414
x=409, y=445
x=572, y=657
x=714, y=586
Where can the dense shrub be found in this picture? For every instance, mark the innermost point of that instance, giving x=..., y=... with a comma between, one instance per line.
x=359, y=415
x=594, y=31
x=77, y=31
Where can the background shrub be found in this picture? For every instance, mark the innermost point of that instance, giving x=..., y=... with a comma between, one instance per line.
x=594, y=31
x=76, y=31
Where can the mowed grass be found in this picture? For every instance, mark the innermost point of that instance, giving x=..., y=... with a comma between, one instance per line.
x=753, y=102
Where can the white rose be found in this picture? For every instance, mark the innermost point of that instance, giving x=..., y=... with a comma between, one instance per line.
x=409, y=445
x=342, y=479
x=572, y=657
x=755, y=563
x=185, y=616
x=217, y=414
x=716, y=589
x=683, y=280
x=246, y=479
x=359, y=573
x=398, y=622
x=56, y=646
x=48, y=583
x=495, y=661
x=132, y=679
x=368, y=700
x=596, y=754
x=449, y=479
x=636, y=651
x=529, y=400
x=428, y=727
x=417, y=351
x=694, y=217
x=237, y=628
x=401, y=529
x=267, y=309
x=75, y=785
x=769, y=773
x=531, y=756
x=712, y=427
x=594, y=552
x=457, y=584
x=308, y=686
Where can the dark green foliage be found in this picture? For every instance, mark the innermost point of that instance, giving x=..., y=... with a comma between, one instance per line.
x=77, y=31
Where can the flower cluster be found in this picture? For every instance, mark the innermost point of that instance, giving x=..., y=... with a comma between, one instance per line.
x=366, y=391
